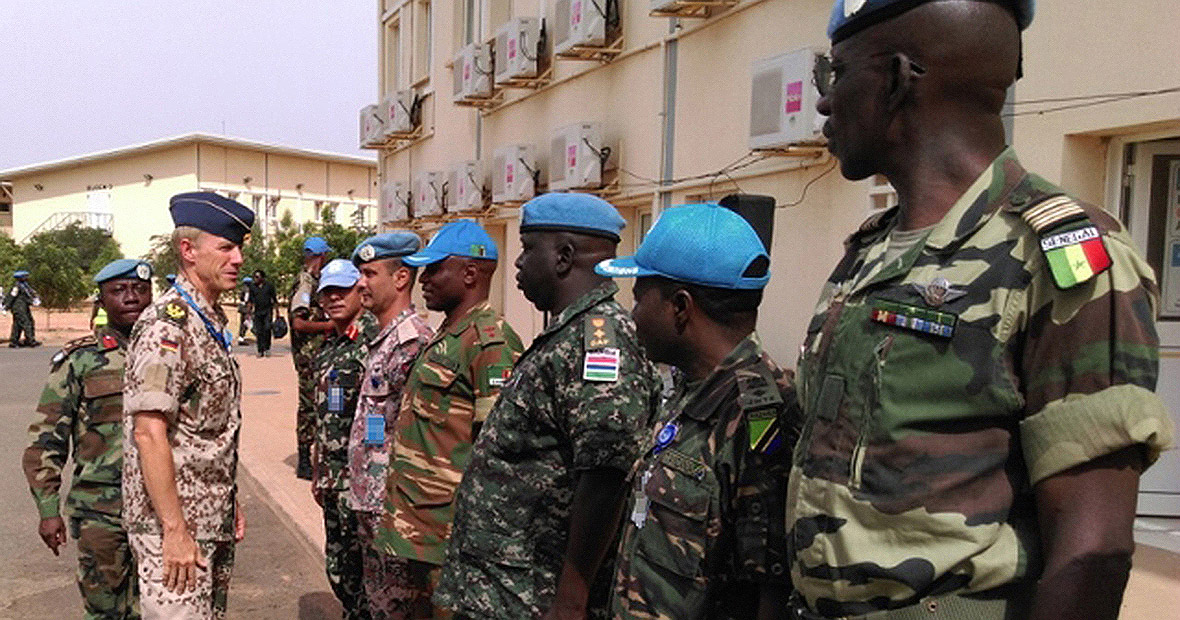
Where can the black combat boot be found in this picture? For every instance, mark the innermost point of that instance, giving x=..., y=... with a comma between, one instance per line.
x=303, y=469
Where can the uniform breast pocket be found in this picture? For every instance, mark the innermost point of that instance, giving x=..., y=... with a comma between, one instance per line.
x=437, y=381
x=104, y=393
x=215, y=392
x=678, y=514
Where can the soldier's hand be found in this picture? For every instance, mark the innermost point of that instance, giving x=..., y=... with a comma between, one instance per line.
x=182, y=560
x=239, y=523
x=53, y=532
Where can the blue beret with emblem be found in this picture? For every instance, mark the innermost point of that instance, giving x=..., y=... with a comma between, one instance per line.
x=851, y=16
x=20, y=274
x=395, y=244
x=124, y=269
x=214, y=214
x=464, y=238
x=572, y=212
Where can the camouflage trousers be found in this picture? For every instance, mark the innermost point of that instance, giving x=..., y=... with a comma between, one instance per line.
x=305, y=419
x=388, y=583
x=106, y=570
x=344, y=555
x=206, y=602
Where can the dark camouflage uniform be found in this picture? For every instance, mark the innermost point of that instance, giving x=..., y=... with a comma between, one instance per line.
x=82, y=405
x=340, y=366
x=705, y=528
x=304, y=348
x=512, y=517
x=18, y=301
x=913, y=476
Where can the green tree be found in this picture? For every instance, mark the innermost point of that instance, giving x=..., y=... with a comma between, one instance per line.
x=54, y=272
x=12, y=258
x=94, y=247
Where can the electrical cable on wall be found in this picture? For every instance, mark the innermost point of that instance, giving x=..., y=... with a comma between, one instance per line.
x=1085, y=101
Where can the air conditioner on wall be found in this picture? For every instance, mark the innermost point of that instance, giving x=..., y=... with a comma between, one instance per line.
x=574, y=161
x=372, y=124
x=782, y=100
x=518, y=51
x=398, y=109
x=512, y=173
x=472, y=73
x=578, y=23
x=465, y=184
x=428, y=193
x=395, y=203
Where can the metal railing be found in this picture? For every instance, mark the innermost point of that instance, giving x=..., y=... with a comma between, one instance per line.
x=90, y=219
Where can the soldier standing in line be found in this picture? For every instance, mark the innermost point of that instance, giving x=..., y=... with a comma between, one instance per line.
x=977, y=381
x=245, y=309
x=539, y=505
x=309, y=327
x=19, y=300
x=262, y=297
x=449, y=391
x=82, y=407
x=181, y=403
x=386, y=285
x=338, y=369
x=705, y=535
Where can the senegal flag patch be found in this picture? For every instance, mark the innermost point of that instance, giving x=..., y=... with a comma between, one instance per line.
x=1075, y=255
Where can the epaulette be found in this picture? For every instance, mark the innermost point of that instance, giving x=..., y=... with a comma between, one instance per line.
x=175, y=311
x=71, y=346
x=488, y=330
x=873, y=225
x=599, y=333
x=760, y=401
x=1071, y=243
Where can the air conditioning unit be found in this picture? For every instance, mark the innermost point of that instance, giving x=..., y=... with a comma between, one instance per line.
x=518, y=50
x=372, y=125
x=512, y=173
x=428, y=193
x=472, y=73
x=465, y=184
x=782, y=101
x=574, y=161
x=395, y=203
x=398, y=108
x=579, y=23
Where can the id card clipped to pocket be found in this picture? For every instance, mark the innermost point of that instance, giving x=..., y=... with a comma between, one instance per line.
x=374, y=429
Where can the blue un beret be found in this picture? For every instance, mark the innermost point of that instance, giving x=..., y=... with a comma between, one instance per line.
x=214, y=214
x=396, y=244
x=851, y=16
x=124, y=268
x=572, y=212
x=20, y=274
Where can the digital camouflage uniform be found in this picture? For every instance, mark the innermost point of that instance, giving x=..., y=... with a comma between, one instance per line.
x=82, y=405
x=387, y=365
x=177, y=368
x=551, y=422
x=304, y=348
x=940, y=388
x=339, y=367
x=449, y=392
x=706, y=526
x=18, y=301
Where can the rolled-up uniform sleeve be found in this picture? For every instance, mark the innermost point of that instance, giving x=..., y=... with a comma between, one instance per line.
x=154, y=378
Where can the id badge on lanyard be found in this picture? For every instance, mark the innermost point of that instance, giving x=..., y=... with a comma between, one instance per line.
x=374, y=429
x=335, y=395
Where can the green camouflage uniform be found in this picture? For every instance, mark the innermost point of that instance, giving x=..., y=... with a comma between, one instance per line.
x=448, y=393
x=18, y=301
x=339, y=367
x=557, y=416
x=940, y=387
x=304, y=348
x=82, y=407
x=706, y=526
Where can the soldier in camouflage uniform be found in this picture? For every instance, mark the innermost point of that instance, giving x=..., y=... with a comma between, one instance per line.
x=448, y=394
x=977, y=379
x=338, y=368
x=82, y=407
x=309, y=328
x=538, y=508
x=386, y=285
x=181, y=417
x=705, y=536
x=19, y=299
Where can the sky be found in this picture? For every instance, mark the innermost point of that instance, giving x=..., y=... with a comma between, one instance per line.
x=80, y=76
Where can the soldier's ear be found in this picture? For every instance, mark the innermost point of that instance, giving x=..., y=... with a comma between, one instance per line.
x=683, y=306
x=564, y=252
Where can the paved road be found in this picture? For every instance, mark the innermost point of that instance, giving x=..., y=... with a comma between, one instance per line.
x=274, y=577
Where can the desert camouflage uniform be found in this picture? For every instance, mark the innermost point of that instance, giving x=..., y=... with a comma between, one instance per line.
x=512, y=518
x=705, y=530
x=304, y=349
x=388, y=363
x=175, y=367
x=82, y=405
x=914, y=472
x=449, y=392
x=340, y=366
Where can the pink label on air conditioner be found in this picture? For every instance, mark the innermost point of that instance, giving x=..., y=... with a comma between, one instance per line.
x=466, y=71
x=576, y=13
x=508, y=173
x=572, y=153
x=511, y=49
x=462, y=190
x=794, y=98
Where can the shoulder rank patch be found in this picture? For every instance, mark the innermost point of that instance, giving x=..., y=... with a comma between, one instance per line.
x=601, y=365
x=71, y=346
x=58, y=358
x=489, y=331
x=600, y=333
x=176, y=312
x=1072, y=245
x=109, y=342
x=1052, y=212
x=756, y=392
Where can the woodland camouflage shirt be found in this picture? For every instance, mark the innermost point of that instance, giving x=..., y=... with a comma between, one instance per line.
x=339, y=368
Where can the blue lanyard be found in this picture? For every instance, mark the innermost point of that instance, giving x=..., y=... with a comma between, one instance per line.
x=219, y=336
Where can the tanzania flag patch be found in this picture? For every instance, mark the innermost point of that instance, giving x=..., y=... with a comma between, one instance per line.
x=602, y=365
x=765, y=437
x=1075, y=256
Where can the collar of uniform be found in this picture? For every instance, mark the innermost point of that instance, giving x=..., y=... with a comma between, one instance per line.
x=466, y=320
x=105, y=333
x=213, y=311
x=985, y=196
x=597, y=295
x=749, y=348
x=393, y=326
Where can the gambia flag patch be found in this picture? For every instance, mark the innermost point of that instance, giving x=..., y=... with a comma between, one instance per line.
x=601, y=365
x=1075, y=255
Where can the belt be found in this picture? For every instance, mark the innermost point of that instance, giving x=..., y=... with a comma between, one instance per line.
x=945, y=607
